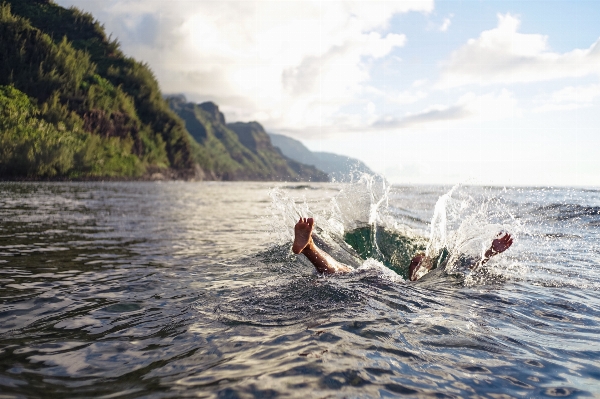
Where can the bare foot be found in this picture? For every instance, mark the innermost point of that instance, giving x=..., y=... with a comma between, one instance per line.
x=302, y=233
x=502, y=242
x=303, y=243
x=419, y=263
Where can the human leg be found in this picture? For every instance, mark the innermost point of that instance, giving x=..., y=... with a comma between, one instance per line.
x=303, y=244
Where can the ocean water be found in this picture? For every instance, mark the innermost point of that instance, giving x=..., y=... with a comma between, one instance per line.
x=156, y=290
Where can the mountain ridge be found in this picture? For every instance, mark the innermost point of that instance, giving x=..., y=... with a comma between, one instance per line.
x=240, y=150
x=338, y=167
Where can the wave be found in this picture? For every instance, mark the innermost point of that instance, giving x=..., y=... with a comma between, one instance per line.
x=392, y=248
x=563, y=212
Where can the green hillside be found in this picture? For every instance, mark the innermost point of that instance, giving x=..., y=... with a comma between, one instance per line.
x=253, y=136
x=33, y=147
x=238, y=151
x=82, y=84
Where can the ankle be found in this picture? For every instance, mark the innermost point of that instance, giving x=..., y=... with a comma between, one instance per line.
x=310, y=247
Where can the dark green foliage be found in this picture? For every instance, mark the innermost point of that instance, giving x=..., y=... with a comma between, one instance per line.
x=138, y=81
x=63, y=59
x=33, y=147
x=35, y=64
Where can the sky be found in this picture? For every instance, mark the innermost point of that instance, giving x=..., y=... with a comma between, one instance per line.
x=424, y=92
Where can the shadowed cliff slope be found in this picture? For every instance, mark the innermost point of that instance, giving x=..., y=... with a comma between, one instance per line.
x=238, y=151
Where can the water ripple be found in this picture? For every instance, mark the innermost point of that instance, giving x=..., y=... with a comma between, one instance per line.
x=167, y=290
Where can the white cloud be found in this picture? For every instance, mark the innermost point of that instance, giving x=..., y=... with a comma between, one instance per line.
x=431, y=115
x=492, y=106
x=571, y=97
x=446, y=24
x=503, y=55
x=287, y=63
x=409, y=97
x=578, y=94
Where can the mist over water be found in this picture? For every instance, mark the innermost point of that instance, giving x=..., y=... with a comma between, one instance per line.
x=191, y=289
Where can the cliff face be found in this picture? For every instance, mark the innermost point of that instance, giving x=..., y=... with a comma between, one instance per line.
x=237, y=151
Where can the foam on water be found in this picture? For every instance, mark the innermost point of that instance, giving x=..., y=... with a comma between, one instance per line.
x=382, y=271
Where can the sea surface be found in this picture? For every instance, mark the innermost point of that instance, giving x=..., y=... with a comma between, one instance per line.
x=174, y=290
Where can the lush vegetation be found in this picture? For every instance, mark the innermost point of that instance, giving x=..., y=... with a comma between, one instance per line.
x=74, y=106
x=253, y=136
x=80, y=82
x=32, y=147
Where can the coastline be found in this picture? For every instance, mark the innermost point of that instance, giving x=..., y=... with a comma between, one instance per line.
x=154, y=174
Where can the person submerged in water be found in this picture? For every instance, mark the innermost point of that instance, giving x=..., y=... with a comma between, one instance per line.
x=419, y=265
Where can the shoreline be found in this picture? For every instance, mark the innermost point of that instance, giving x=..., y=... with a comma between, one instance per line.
x=153, y=176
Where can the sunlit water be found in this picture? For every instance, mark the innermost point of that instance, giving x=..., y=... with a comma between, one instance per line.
x=191, y=290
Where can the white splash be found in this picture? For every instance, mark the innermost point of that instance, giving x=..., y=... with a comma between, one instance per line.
x=381, y=270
